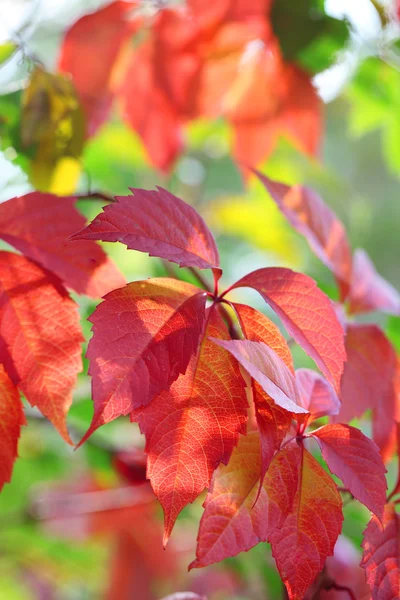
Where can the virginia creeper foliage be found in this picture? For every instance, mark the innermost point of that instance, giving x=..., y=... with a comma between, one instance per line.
x=184, y=363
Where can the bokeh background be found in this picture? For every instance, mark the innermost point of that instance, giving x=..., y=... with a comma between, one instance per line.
x=82, y=525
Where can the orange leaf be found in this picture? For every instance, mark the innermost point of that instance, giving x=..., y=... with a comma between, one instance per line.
x=11, y=419
x=39, y=325
x=195, y=425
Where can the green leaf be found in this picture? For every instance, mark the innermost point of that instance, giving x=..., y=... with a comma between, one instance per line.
x=7, y=49
x=317, y=38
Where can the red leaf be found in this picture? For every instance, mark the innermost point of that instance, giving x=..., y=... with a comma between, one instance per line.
x=381, y=558
x=89, y=53
x=270, y=97
x=311, y=217
x=159, y=223
x=273, y=421
x=39, y=325
x=316, y=395
x=194, y=426
x=368, y=372
x=306, y=313
x=38, y=225
x=313, y=523
x=265, y=366
x=369, y=291
x=386, y=415
x=231, y=522
x=258, y=328
x=11, y=419
x=144, y=336
x=159, y=89
x=355, y=459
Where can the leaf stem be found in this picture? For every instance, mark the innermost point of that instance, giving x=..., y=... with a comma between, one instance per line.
x=332, y=585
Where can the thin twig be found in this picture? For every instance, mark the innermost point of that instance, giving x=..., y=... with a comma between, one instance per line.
x=332, y=585
x=96, y=196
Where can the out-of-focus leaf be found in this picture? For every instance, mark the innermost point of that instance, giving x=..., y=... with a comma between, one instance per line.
x=7, y=49
x=307, y=33
x=374, y=97
x=52, y=126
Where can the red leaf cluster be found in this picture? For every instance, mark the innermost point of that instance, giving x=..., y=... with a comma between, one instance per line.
x=190, y=62
x=370, y=378
x=40, y=335
x=160, y=354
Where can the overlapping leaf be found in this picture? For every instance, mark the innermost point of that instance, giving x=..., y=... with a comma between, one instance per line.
x=316, y=395
x=369, y=291
x=11, y=419
x=194, y=425
x=368, y=371
x=381, y=557
x=89, y=53
x=231, y=522
x=355, y=458
x=144, y=336
x=306, y=313
x=298, y=512
x=311, y=528
x=265, y=366
x=159, y=223
x=40, y=336
x=38, y=225
x=311, y=217
x=273, y=421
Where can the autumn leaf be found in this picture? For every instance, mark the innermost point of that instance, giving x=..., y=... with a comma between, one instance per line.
x=306, y=313
x=144, y=336
x=52, y=128
x=194, y=426
x=41, y=337
x=273, y=421
x=38, y=225
x=369, y=291
x=316, y=395
x=232, y=522
x=312, y=525
x=159, y=223
x=368, y=372
x=313, y=219
x=258, y=328
x=11, y=419
x=265, y=366
x=355, y=459
x=158, y=91
x=381, y=559
x=386, y=417
x=89, y=54
x=298, y=512
x=260, y=104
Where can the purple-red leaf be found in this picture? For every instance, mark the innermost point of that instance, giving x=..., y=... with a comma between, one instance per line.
x=194, y=426
x=159, y=223
x=144, y=336
x=306, y=313
x=38, y=225
x=265, y=366
x=40, y=336
x=369, y=291
x=11, y=419
x=381, y=557
x=355, y=459
x=313, y=219
x=368, y=372
x=316, y=395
